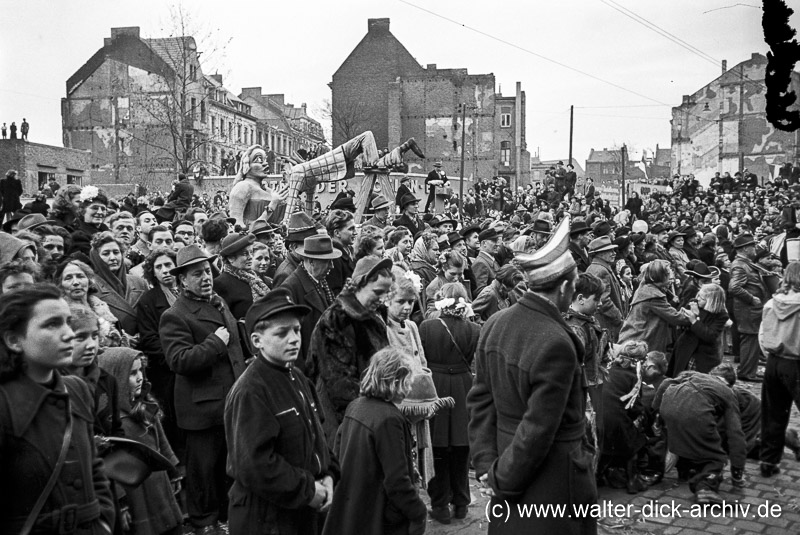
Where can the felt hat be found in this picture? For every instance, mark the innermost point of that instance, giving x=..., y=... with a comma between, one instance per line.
x=602, y=228
x=405, y=178
x=466, y=231
x=454, y=238
x=743, y=240
x=232, y=244
x=601, y=244
x=441, y=221
x=674, y=234
x=540, y=226
x=438, y=164
x=32, y=221
x=189, y=256
x=13, y=218
x=345, y=203
x=622, y=242
x=688, y=231
x=223, y=217
x=379, y=203
x=277, y=301
x=637, y=237
x=259, y=227
x=579, y=227
x=552, y=260
x=407, y=199
x=318, y=247
x=489, y=234
x=300, y=227
x=422, y=400
x=368, y=265
x=443, y=241
x=131, y=462
x=698, y=268
x=658, y=228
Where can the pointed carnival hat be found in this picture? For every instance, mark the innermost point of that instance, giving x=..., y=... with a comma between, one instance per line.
x=552, y=261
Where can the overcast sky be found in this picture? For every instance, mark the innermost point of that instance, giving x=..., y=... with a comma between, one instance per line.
x=295, y=47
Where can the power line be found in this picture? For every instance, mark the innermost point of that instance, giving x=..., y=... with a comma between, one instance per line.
x=532, y=53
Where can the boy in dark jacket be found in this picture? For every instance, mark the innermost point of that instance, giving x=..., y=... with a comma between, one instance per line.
x=282, y=468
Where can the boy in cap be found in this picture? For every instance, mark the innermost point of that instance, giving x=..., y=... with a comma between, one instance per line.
x=282, y=469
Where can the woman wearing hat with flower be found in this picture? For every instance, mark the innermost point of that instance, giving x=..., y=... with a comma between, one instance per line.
x=93, y=210
x=349, y=332
x=449, y=342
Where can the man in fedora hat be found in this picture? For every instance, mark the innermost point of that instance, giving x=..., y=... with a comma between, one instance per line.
x=540, y=231
x=609, y=313
x=380, y=211
x=527, y=402
x=434, y=178
x=485, y=265
x=308, y=285
x=580, y=234
x=409, y=217
x=201, y=345
x=300, y=227
x=281, y=465
x=403, y=190
x=749, y=295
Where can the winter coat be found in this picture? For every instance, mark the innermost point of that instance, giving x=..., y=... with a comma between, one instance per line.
x=650, y=319
x=286, y=268
x=122, y=306
x=304, y=292
x=527, y=418
x=32, y=424
x=343, y=342
x=205, y=367
x=621, y=437
x=427, y=273
x=342, y=268
x=489, y=301
x=609, y=313
x=82, y=236
x=450, y=365
x=750, y=415
x=236, y=293
x=10, y=192
x=485, y=268
x=595, y=345
x=697, y=409
x=181, y=196
x=745, y=286
x=276, y=451
x=780, y=326
x=377, y=493
x=415, y=224
x=701, y=342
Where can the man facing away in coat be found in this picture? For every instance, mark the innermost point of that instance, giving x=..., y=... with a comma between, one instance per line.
x=201, y=345
x=527, y=403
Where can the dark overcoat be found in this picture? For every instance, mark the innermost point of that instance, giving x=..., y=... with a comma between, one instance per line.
x=376, y=494
x=414, y=224
x=286, y=268
x=702, y=341
x=342, y=268
x=745, y=286
x=205, y=367
x=527, y=418
x=122, y=306
x=650, y=319
x=236, y=293
x=621, y=438
x=610, y=311
x=452, y=376
x=485, y=268
x=32, y=423
x=276, y=451
x=10, y=192
x=149, y=309
x=304, y=292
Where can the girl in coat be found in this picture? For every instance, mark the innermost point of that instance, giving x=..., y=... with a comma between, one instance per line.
x=349, y=332
x=152, y=505
x=450, y=268
x=700, y=346
x=46, y=436
x=450, y=342
x=377, y=493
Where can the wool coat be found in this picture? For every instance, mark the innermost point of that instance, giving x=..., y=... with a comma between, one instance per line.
x=342, y=268
x=205, y=367
x=485, y=268
x=610, y=311
x=745, y=286
x=701, y=342
x=377, y=493
x=276, y=451
x=286, y=268
x=414, y=224
x=650, y=319
x=32, y=424
x=527, y=417
x=427, y=274
x=621, y=438
x=343, y=342
x=305, y=292
x=10, y=192
x=449, y=362
x=122, y=305
x=81, y=236
x=490, y=301
x=236, y=293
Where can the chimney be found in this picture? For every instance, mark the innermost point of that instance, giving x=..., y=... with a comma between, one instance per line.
x=217, y=77
x=303, y=105
x=378, y=25
x=431, y=66
x=724, y=66
x=132, y=31
x=254, y=92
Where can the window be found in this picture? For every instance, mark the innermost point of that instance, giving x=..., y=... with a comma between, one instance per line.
x=213, y=155
x=239, y=133
x=44, y=178
x=75, y=179
x=505, y=116
x=203, y=111
x=230, y=131
x=189, y=145
x=505, y=153
x=213, y=126
x=192, y=110
x=192, y=71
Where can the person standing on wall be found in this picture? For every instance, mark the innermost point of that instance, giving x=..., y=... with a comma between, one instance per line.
x=435, y=178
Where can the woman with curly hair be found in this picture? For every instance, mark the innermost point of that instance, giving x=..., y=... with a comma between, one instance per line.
x=450, y=267
x=400, y=242
x=65, y=210
x=424, y=258
x=78, y=285
x=370, y=242
x=114, y=285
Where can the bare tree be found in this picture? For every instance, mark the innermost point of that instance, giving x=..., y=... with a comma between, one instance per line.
x=348, y=119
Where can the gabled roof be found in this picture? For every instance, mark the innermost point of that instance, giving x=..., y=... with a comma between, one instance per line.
x=378, y=34
x=603, y=156
x=173, y=49
x=230, y=98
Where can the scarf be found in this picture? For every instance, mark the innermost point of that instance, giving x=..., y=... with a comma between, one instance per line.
x=420, y=252
x=170, y=293
x=118, y=281
x=322, y=286
x=258, y=288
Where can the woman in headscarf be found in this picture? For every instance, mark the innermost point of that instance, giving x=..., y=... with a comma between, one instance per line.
x=423, y=259
x=114, y=285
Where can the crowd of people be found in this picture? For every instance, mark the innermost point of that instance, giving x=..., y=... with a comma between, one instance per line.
x=316, y=376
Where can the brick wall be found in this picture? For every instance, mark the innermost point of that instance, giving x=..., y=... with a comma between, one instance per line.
x=29, y=159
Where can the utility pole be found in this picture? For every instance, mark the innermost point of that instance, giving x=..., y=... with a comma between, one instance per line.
x=571, y=110
x=461, y=180
x=624, y=149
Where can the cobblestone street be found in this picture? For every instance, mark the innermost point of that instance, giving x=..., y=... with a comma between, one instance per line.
x=782, y=490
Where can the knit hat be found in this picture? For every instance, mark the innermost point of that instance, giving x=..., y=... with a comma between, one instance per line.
x=10, y=246
x=423, y=400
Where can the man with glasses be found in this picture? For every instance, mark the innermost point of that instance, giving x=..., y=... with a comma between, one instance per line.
x=184, y=231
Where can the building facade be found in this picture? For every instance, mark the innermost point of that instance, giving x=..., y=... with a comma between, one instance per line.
x=36, y=164
x=381, y=87
x=723, y=126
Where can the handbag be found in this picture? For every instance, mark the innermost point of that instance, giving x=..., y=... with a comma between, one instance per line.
x=461, y=353
x=62, y=457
